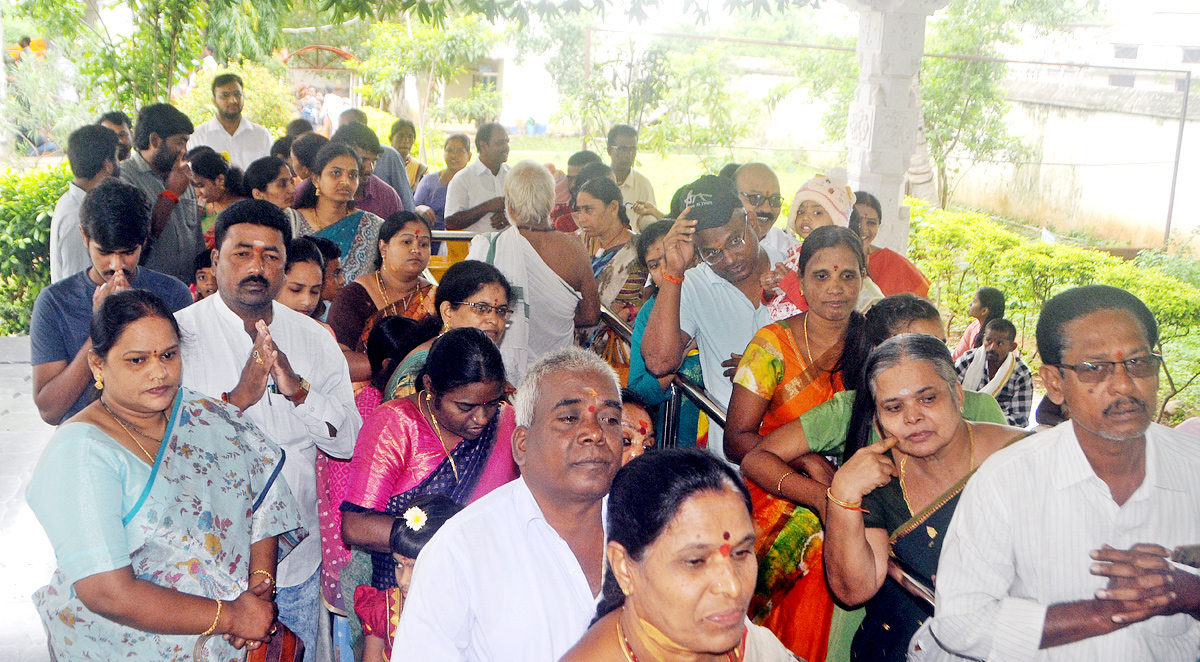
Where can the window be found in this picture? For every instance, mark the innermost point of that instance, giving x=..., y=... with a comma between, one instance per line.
x=1121, y=80
x=1191, y=54
x=1125, y=51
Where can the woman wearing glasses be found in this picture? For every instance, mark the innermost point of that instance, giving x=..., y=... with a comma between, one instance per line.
x=451, y=437
x=472, y=294
x=788, y=368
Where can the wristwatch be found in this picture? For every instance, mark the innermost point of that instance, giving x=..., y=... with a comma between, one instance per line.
x=305, y=387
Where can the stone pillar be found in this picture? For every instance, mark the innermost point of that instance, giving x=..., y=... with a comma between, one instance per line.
x=881, y=130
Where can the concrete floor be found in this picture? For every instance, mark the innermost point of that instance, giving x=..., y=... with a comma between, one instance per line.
x=26, y=558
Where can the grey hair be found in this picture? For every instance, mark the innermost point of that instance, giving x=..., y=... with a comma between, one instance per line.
x=915, y=347
x=571, y=359
x=529, y=194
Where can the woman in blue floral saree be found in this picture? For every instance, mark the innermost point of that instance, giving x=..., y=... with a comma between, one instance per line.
x=164, y=507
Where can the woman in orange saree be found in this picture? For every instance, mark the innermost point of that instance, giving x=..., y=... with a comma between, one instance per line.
x=788, y=368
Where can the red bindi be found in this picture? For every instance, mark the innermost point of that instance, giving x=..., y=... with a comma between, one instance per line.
x=727, y=535
x=591, y=408
x=725, y=549
x=1120, y=356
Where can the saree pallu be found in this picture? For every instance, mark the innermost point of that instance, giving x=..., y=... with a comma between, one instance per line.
x=621, y=282
x=894, y=615
x=403, y=381
x=400, y=457
x=357, y=235
x=790, y=598
x=417, y=309
x=214, y=490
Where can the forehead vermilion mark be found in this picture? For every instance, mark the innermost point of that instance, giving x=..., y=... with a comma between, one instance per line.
x=727, y=535
x=1120, y=355
x=725, y=549
x=591, y=408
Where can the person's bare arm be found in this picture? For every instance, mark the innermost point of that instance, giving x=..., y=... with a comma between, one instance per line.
x=120, y=597
x=856, y=558
x=746, y=411
x=360, y=365
x=370, y=531
x=587, y=311
x=770, y=466
x=664, y=341
x=467, y=217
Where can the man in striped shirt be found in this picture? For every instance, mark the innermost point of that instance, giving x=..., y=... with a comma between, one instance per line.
x=1059, y=548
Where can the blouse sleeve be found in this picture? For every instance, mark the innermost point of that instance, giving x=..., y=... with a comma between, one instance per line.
x=380, y=457
x=761, y=369
x=349, y=313
x=78, y=495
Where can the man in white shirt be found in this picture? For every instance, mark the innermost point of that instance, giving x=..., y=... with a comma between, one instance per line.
x=758, y=187
x=282, y=369
x=719, y=302
x=1059, y=548
x=636, y=189
x=92, y=151
x=229, y=131
x=517, y=574
x=475, y=197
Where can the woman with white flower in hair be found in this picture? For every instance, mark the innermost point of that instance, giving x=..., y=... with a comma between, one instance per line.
x=380, y=609
x=451, y=437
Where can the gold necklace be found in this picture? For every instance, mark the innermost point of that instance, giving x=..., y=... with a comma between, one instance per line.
x=807, y=348
x=438, y=429
x=130, y=433
x=384, y=293
x=734, y=655
x=970, y=467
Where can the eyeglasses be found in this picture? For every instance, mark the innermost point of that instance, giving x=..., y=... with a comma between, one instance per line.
x=1094, y=372
x=713, y=256
x=757, y=199
x=485, y=308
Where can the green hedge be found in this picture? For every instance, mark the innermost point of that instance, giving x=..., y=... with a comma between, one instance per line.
x=962, y=251
x=26, y=203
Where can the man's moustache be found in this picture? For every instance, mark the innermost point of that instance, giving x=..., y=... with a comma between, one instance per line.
x=765, y=216
x=255, y=279
x=1124, y=403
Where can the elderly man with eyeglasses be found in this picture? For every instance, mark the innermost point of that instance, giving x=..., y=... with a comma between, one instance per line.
x=758, y=187
x=718, y=303
x=1061, y=546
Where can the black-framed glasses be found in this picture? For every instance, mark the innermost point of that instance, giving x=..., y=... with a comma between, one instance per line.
x=713, y=256
x=1094, y=372
x=485, y=308
x=756, y=199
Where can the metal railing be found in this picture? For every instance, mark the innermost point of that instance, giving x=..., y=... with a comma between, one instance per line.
x=681, y=387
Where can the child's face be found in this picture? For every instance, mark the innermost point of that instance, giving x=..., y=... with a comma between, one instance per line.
x=333, y=279
x=206, y=283
x=301, y=289
x=404, y=570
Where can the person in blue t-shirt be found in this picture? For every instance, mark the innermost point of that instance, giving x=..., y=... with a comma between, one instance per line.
x=115, y=222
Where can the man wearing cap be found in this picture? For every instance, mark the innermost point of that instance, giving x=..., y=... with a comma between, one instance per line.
x=718, y=302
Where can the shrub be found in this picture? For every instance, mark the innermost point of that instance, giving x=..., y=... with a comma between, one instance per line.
x=268, y=101
x=962, y=251
x=26, y=203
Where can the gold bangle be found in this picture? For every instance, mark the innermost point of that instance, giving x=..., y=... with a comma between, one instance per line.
x=779, y=485
x=262, y=571
x=848, y=506
x=216, y=618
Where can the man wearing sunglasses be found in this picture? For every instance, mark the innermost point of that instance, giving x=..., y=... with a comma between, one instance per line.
x=758, y=188
x=717, y=303
x=1060, y=548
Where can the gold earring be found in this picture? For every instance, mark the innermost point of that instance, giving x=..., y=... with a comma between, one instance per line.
x=99, y=382
x=317, y=189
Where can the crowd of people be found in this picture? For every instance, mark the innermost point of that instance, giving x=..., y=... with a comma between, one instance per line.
x=320, y=443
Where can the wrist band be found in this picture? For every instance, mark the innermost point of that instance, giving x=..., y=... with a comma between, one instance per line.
x=779, y=485
x=170, y=195
x=216, y=618
x=857, y=507
x=672, y=279
x=260, y=571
